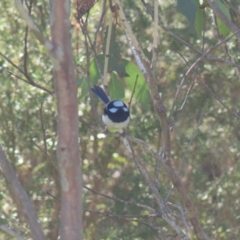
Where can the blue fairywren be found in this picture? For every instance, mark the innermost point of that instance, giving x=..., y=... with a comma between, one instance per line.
x=115, y=113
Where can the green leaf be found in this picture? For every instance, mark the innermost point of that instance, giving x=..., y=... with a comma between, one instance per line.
x=199, y=22
x=93, y=69
x=141, y=91
x=115, y=62
x=224, y=9
x=223, y=29
x=94, y=75
x=82, y=83
x=188, y=8
x=116, y=88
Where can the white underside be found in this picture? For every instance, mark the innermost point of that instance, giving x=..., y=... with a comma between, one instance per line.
x=110, y=124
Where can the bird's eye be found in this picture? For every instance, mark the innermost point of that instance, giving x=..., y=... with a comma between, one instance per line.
x=112, y=110
x=118, y=104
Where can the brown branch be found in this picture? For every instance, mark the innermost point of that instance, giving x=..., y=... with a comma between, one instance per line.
x=31, y=83
x=165, y=157
x=217, y=11
x=20, y=197
x=29, y=80
x=68, y=155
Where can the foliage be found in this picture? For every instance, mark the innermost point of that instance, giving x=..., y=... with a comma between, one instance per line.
x=204, y=118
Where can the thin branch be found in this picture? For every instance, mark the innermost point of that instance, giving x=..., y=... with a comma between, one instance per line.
x=134, y=88
x=143, y=144
x=155, y=37
x=31, y=83
x=186, y=150
x=217, y=11
x=20, y=197
x=175, y=36
x=26, y=42
x=116, y=134
x=219, y=100
x=192, y=67
x=234, y=8
x=29, y=80
x=12, y=63
x=107, y=47
x=146, y=176
x=25, y=58
x=144, y=66
x=122, y=201
x=100, y=22
x=125, y=218
x=12, y=232
x=183, y=215
x=32, y=25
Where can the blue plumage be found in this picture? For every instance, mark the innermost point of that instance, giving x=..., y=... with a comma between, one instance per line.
x=116, y=113
x=98, y=91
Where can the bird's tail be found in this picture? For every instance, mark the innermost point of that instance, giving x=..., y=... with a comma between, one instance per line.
x=99, y=92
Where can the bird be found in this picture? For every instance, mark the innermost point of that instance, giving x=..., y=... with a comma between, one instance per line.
x=116, y=114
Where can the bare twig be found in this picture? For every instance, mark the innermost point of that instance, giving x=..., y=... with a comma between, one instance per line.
x=106, y=56
x=192, y=67
x=126, y=218
x=219, y=100
x=29, y=80
x=100, y=22
x=54, y=197
x=217, y=11
x=12, y=63
x=183, y=215
x=179, y=39
x=146, y=176
x=25, y=58
x=152, y=210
